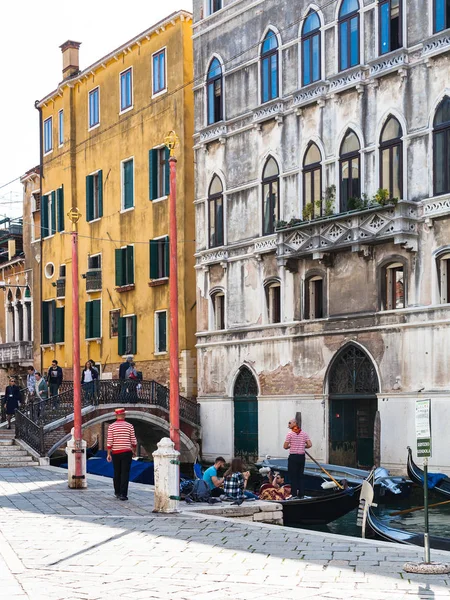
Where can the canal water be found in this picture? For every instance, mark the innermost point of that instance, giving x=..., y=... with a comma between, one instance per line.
x=439, y=517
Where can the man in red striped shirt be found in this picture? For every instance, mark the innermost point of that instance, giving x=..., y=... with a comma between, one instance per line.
x=297, y=441
x=121, y=445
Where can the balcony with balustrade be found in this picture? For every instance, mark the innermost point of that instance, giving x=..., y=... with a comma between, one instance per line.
x=16, y=353
x=94, y=280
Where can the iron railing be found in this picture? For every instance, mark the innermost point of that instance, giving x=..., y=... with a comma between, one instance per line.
x=29, y=432
x=94, y=280
x=60, y=288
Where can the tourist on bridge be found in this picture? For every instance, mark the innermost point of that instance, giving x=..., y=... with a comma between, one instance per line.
x=297, y=441
x=12, y=399
x=88, y=378
x=31, y=383
x=121, y=445
x=41, y=389
x=55, y=379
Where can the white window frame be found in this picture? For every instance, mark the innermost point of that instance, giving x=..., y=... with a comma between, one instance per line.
x=92, y=256
x=390, y=300
x=311, y=300
x=214, y=316
x=123, y=111
x=444, y=274
x=90, y=128
x=163, y=91
x=156, y=351
x=48, y=195
x=122, y=189
x=51, y=136
x=51, y=330
x=93, y=174
x=208, y=11
x=60, y=129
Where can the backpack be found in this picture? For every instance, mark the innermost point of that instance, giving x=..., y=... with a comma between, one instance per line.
x=200, y=492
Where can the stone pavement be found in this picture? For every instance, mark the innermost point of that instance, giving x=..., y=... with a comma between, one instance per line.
x=61, y=544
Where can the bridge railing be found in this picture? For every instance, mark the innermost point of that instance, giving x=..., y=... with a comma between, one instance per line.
x=30, y=432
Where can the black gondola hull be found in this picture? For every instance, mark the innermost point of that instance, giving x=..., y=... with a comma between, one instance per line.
x=415, y=473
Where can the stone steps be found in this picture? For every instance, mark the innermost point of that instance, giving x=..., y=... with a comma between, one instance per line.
x=12, y=454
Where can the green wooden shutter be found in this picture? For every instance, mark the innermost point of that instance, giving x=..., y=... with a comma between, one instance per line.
x=96, y=319
x=121, y=338
x=45, y=323
x=128, y=200
x=153, y=170
x=59, y=332
x=60, y=203
x=44, y=218
x=88, y=320
x=119, y=267
x=89, y=198
x=166, y=257
x=134, y=340
x=162, y=332
x=167, y=172
x=53, y=224
x=153, y=259
x=130, y=265
x=100, y=193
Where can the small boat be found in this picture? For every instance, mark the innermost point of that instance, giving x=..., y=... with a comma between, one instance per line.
x=391, y=534
x=320, y=508
x=416, y=475
x=314, y=477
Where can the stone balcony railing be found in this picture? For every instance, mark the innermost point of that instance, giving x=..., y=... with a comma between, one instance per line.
x=94, y=280
x=436, y=207
x=437, y=44
x=354, y=230
x=14, y=353
x=61, y=288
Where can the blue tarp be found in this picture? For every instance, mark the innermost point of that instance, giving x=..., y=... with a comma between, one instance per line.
x=140, y=472
x=434, y=479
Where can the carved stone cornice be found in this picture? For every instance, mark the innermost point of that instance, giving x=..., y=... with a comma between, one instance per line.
x=389, y=64
x=436, y=45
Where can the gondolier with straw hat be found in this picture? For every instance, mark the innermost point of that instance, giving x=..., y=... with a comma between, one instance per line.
x=121, y=446
x=297, y=441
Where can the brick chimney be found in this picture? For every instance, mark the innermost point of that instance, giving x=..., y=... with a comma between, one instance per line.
x=71, y=62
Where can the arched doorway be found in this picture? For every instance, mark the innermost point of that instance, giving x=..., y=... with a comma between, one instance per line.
x=245, y=415
x=352, y=387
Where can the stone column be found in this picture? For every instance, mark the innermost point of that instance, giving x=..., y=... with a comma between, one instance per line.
x=16, y=322
x=167, y=477
x=26, y=316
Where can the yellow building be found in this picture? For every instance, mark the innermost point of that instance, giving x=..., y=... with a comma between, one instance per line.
x=103, y=151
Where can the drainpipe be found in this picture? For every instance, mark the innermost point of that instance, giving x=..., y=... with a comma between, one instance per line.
x=41, y=177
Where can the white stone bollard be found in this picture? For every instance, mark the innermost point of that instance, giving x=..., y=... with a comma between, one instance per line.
x=167, y=477
x=76, y=483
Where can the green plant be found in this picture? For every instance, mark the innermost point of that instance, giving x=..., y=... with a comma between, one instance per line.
x=280, y=224
x=330, y=200
x=293, y=222
x=382, y=196
x=308, y=211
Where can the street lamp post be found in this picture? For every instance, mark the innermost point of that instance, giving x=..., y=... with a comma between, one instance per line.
x=171, y=141
x=76, y=447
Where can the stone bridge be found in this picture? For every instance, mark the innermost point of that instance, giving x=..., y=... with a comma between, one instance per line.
x=46, y=425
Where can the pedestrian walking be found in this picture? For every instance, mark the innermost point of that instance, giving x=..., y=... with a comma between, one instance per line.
x=297, y=441
x=88, y=378
x=12, y=399
x=55, y=379
x=96, y=381
x=41, y=389
x=123, y=376
x=121, y=446
x=31, y=383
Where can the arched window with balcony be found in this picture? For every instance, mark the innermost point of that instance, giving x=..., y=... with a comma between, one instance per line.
x=269, y=67
x=271, y=195
x=350, y=169
x=441, y=148
x=215, y=210
x=441, y=15
x=311, y=49
x=312, y=180
x=348, y=34
x=391, y=158
x=390, y=25
x=214, y=86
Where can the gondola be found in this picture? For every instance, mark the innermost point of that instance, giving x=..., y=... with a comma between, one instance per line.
x=320, y=508
x=314, y=477
x=391, y=534
x=415, y=473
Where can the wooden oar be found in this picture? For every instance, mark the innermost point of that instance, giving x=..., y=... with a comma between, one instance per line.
x=408, y=510
x=324, y=470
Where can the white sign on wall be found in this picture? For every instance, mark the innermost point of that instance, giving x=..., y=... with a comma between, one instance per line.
x=423, y=427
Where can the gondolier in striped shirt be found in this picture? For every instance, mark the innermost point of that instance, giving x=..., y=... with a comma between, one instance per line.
x=121, y=445
x=297, y=441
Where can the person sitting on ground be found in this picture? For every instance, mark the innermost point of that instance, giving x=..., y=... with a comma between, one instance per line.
x=235, y=481
x=210, y=476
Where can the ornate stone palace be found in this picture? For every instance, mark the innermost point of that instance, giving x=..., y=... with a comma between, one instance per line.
x=322, y=141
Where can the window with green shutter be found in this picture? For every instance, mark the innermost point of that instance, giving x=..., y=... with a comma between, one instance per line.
x=53, y=213
x=60, y=204
x=160, y=331
x=59, y=325
x=93, y=319
x=48, y=321
x=94, y=196
x=124, y=266
x=44, y=217
x=127, y=184
x=127, y=340
x=159, y=258
x=159, y=173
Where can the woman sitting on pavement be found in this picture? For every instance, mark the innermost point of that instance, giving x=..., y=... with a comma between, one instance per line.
x=235, y=483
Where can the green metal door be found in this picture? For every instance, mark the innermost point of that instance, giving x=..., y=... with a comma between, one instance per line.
x=246, y=415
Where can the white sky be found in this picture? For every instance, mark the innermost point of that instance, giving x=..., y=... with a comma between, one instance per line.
x=30, y=36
